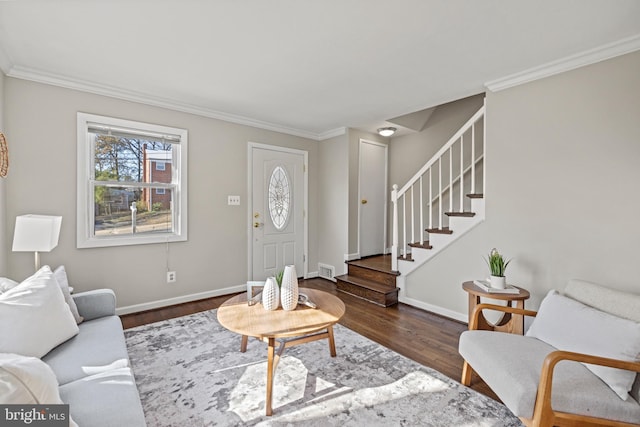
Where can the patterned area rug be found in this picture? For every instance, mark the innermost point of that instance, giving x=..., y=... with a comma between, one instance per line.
x=190, y=372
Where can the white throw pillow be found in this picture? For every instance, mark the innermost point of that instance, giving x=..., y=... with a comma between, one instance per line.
x=570, y=325
x=27, y=380
x=6, y=284
x=35, y=317
x=61, y=277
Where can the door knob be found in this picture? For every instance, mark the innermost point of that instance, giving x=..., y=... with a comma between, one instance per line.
x=363, y=201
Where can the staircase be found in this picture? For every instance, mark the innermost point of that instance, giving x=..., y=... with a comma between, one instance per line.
x=442, y=201
x=438, y=205
x=371, y=279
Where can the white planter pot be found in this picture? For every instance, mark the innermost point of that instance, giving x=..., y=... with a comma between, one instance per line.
x=498, y=282
x=271, y=295
x=289, y=288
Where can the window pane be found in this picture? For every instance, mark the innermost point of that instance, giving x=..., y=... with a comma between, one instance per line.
x=131, y=160
x=131, y=211
x=279, y=198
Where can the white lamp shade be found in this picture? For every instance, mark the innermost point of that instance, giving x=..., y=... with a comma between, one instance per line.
x=36, y=233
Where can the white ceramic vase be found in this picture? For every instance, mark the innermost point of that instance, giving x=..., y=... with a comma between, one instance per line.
x=498, y=282
x=289, y=288
x=270, y=294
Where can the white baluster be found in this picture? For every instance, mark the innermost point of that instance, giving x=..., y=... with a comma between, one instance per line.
x=461, y=173
x=473, y=158
x=413, y=219
x=451, y=178
x=404, y=225
x=440, y=192
x=394, y=242
x=430, y=200
x=421, y=215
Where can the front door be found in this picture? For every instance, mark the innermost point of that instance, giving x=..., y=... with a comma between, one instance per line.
x=277, y=211
x=372, y=198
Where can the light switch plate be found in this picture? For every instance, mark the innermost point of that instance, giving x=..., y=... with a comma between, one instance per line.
x=233, y=200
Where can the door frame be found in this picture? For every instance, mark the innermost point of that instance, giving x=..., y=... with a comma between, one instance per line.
x=250, y=210
x=386, y=188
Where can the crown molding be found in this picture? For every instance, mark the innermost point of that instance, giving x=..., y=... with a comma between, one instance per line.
x=588, y=57
x=332, y=133
x=143, y=98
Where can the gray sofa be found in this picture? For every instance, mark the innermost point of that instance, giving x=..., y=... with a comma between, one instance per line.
x=514, y=366
x=93, y=367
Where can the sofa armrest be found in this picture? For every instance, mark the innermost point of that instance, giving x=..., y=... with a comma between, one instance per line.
x=96, y=303
x=543, y=410
x=478, y=322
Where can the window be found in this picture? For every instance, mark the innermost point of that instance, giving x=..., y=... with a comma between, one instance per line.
x=279, y=198
x=121, y=201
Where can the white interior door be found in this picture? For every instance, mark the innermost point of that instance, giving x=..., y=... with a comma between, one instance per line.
x=372, y=198
x=278, y=206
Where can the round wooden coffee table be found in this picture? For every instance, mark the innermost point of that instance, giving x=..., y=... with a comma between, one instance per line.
x=299, y=326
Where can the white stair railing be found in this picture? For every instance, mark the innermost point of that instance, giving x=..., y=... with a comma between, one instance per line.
x=452, y=157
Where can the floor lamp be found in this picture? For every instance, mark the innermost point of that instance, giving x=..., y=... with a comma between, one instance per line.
x=36, y=233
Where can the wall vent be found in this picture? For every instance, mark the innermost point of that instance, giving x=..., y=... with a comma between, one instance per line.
x=327, y=271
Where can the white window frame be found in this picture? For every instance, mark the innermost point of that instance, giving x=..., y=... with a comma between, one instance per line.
x=159, y=191
x=158, y=164
x=86, y=237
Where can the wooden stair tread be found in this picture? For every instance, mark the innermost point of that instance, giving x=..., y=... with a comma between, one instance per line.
x=443, y=230
x=381, y=267
x=424, y=245
x=475, y=196
x=367, y=284
x=462, y=214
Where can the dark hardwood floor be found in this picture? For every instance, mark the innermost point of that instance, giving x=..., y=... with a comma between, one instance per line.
x=427, y=338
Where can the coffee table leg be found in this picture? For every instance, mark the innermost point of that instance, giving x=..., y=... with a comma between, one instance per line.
x=243, y=344
x=270, y=356
x=332, y=343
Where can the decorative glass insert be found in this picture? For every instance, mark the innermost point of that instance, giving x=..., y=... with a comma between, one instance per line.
x=279, y=197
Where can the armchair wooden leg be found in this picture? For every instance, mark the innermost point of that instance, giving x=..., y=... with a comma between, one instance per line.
x=467, y=371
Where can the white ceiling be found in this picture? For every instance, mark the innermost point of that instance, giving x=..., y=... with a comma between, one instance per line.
x=299, y=66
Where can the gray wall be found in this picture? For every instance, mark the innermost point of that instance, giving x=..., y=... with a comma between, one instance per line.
x=3, y=201
x=563, y=157
x=333, y=212
x=408, y=153
x=42, y=125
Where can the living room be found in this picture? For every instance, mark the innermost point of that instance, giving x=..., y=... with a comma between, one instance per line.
x=561, y=172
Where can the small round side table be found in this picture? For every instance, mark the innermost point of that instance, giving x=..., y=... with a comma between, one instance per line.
x=508, y=322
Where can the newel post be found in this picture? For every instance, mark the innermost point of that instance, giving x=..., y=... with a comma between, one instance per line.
x=394, y=242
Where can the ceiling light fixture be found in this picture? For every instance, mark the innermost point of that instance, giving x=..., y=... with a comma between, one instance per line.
x=388, y=131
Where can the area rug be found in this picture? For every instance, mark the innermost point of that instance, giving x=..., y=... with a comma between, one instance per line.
x=190, y=372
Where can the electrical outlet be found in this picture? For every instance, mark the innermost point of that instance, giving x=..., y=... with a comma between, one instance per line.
x=233, y=200
x=171, y=276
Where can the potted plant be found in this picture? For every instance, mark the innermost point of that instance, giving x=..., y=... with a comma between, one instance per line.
x=497, y=266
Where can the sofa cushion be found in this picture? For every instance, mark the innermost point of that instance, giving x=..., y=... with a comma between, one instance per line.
x=569, y=325
x=113, y=392
x=98, y=347
x=511, y=364
x=38, y=315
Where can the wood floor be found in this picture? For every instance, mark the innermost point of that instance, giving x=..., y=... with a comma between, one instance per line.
x=425, y=337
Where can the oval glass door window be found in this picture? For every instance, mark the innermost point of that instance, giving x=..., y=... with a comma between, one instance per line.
x=279, y=198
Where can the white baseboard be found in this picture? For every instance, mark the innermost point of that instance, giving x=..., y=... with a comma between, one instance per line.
x=351, y=257
x=434, y=309
x=179, y=300
x=311, y=275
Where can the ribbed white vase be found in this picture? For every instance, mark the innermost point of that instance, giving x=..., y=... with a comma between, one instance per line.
x=289, y=288
x=270, y=294
x=498, y=282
